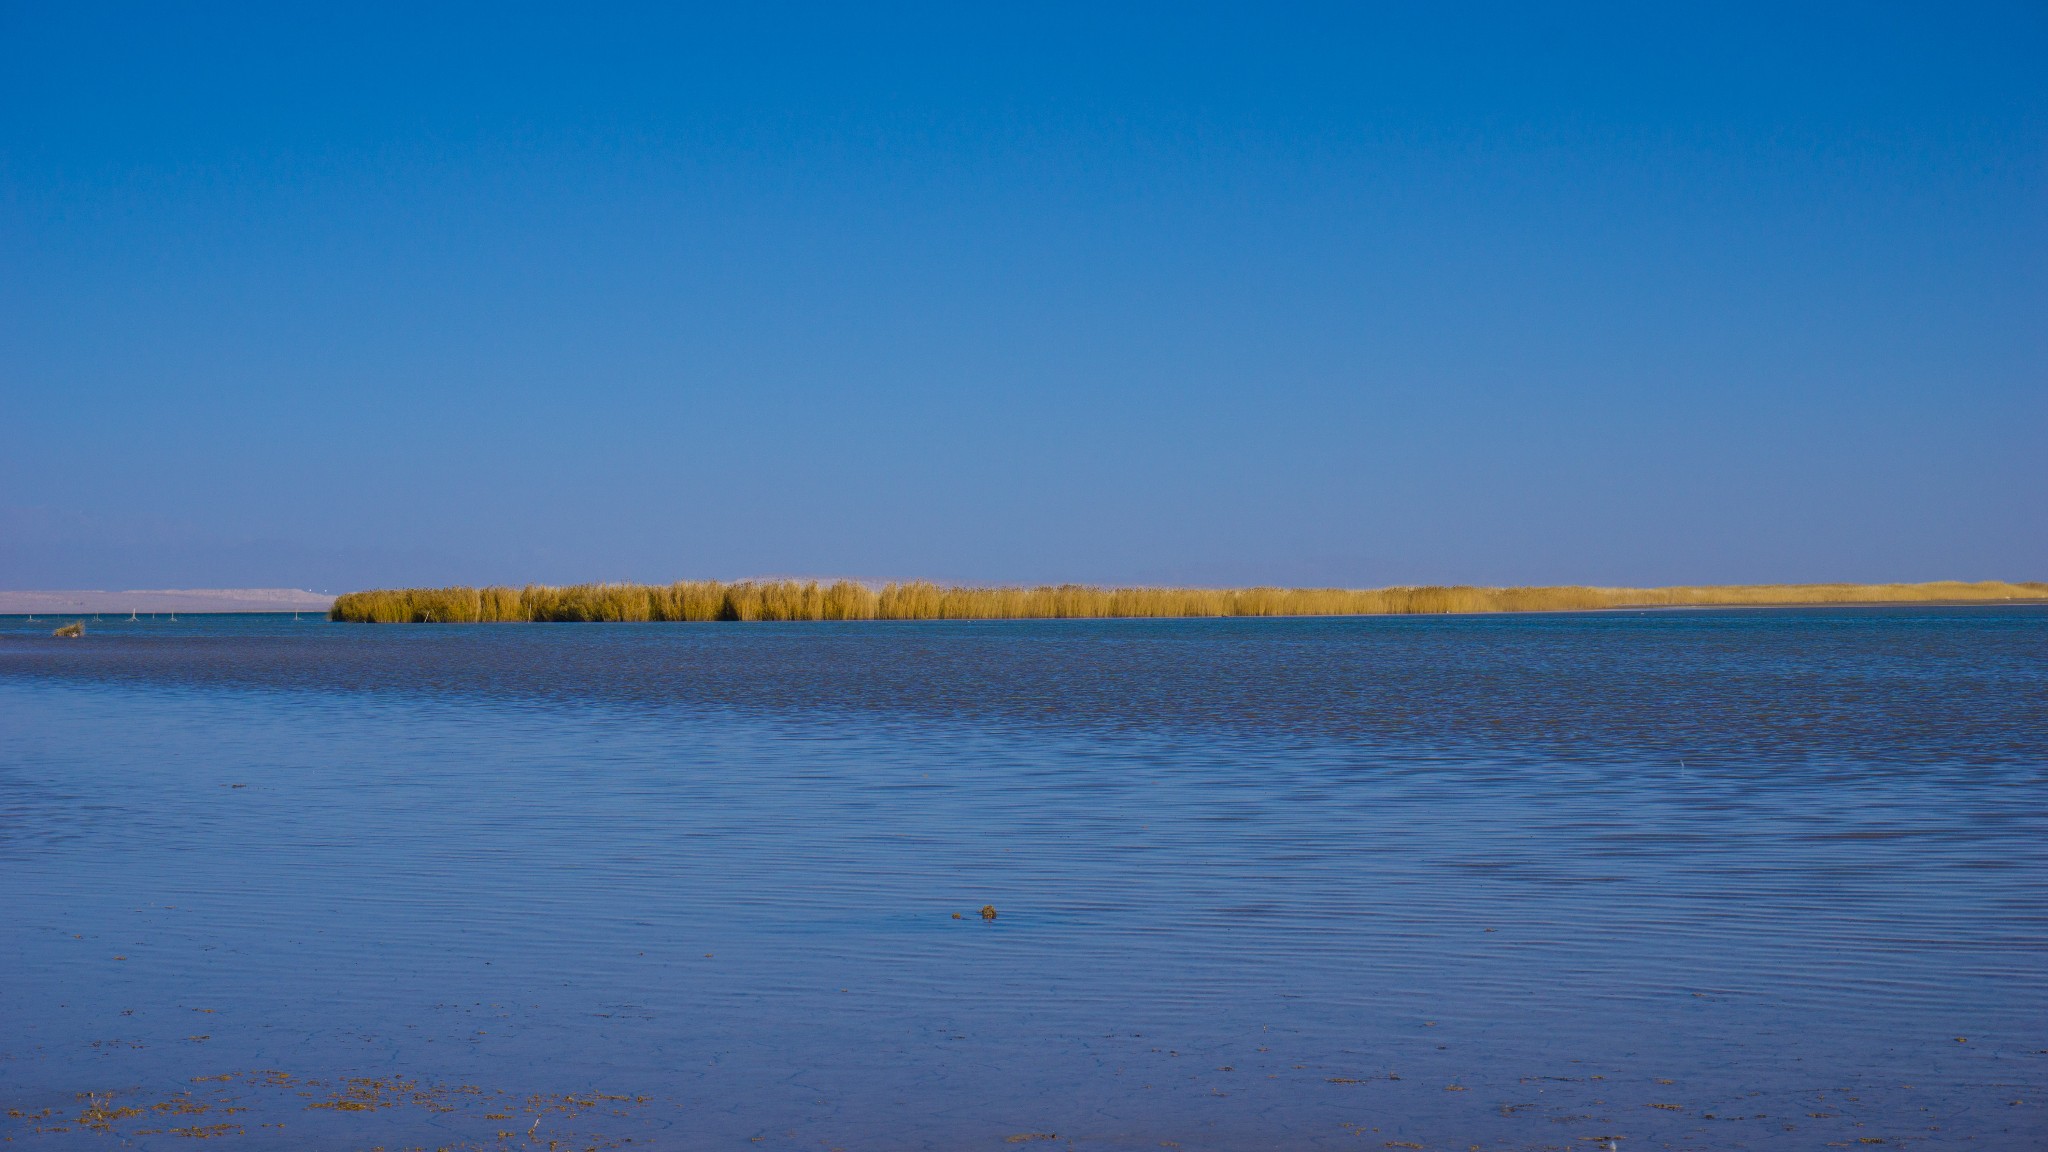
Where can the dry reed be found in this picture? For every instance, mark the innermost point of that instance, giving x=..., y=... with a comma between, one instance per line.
x=919, y=600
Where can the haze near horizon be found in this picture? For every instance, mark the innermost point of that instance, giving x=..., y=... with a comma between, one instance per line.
x=1167, y=295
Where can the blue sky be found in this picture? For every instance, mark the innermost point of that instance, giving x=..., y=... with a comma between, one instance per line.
x=1351, y=295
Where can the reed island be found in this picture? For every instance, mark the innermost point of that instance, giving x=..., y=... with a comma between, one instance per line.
x=695, y=600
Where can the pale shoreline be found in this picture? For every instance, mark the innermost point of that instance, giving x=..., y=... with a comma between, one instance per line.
x=193, y=600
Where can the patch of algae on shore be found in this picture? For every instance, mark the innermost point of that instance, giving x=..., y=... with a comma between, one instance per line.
x=269, y=1090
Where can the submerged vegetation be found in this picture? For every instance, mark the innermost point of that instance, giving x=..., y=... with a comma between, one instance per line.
x=487, y=1117
x=918, y=600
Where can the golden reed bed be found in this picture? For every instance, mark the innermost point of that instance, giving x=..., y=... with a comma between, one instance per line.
x=850, y=600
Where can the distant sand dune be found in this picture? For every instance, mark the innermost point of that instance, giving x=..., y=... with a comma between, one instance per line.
x=165, y=600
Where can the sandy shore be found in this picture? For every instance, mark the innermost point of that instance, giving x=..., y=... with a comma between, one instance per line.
x=59, y=603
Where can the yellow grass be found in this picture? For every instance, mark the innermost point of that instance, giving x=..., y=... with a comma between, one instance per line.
x=918, y=600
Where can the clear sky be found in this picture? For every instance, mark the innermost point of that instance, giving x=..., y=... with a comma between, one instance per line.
x=1356, y=294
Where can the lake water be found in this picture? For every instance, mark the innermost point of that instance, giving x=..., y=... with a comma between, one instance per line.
x=1701, y=879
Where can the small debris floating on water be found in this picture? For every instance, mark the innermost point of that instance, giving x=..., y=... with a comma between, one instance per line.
x=71, y=631
x=988, y=911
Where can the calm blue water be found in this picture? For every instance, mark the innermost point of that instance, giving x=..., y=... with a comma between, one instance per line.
x=1713, y=879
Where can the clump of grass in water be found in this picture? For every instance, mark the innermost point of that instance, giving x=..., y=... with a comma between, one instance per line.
x=71, y=631
x=691, y=600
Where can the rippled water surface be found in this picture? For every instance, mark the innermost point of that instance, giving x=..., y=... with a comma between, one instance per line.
x=1711, y=879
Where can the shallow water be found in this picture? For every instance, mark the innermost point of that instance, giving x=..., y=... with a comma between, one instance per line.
x=1705, y=879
